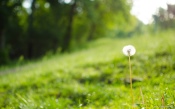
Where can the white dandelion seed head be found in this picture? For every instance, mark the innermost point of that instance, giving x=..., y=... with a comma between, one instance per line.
x=129, y=50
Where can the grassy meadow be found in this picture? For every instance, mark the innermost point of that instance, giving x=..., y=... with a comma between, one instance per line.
x=96, y=77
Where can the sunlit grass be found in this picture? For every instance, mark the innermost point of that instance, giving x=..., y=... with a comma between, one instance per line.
x=95, y=77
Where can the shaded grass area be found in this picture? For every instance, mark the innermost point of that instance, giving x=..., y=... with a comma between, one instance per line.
x=96, y=77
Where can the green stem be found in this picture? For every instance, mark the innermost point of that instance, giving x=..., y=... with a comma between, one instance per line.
x=131, y=92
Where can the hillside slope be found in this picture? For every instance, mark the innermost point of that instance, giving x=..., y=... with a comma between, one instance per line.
x=96, y=77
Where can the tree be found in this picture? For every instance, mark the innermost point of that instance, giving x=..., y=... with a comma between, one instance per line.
x=30, y=33
x=165, y=18
x=68, y=36
x=8, y=9
x=99, y=18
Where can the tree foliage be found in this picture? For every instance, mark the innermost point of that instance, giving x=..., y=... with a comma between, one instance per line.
x=165, y=18
x=52, y=25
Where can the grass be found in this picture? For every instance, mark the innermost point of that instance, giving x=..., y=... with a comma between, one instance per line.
x=96, y=77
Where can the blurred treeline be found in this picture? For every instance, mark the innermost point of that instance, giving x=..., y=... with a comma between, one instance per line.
x=59, y=26
x=165, y=18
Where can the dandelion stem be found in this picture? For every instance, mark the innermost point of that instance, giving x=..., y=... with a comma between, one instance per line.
x=163, y=102
x=131, y=92
x=141, y=93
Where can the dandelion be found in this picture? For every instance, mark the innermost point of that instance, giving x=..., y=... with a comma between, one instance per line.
x=130, y=50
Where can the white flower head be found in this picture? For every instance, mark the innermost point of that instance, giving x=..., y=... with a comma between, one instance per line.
x=129, y=50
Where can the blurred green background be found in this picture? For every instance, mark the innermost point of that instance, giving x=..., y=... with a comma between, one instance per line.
x=34, y=28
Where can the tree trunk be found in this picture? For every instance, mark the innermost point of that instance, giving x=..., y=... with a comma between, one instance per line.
x=68, y=36
x=30, y=31
x=92, y=31
x=2, y=39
